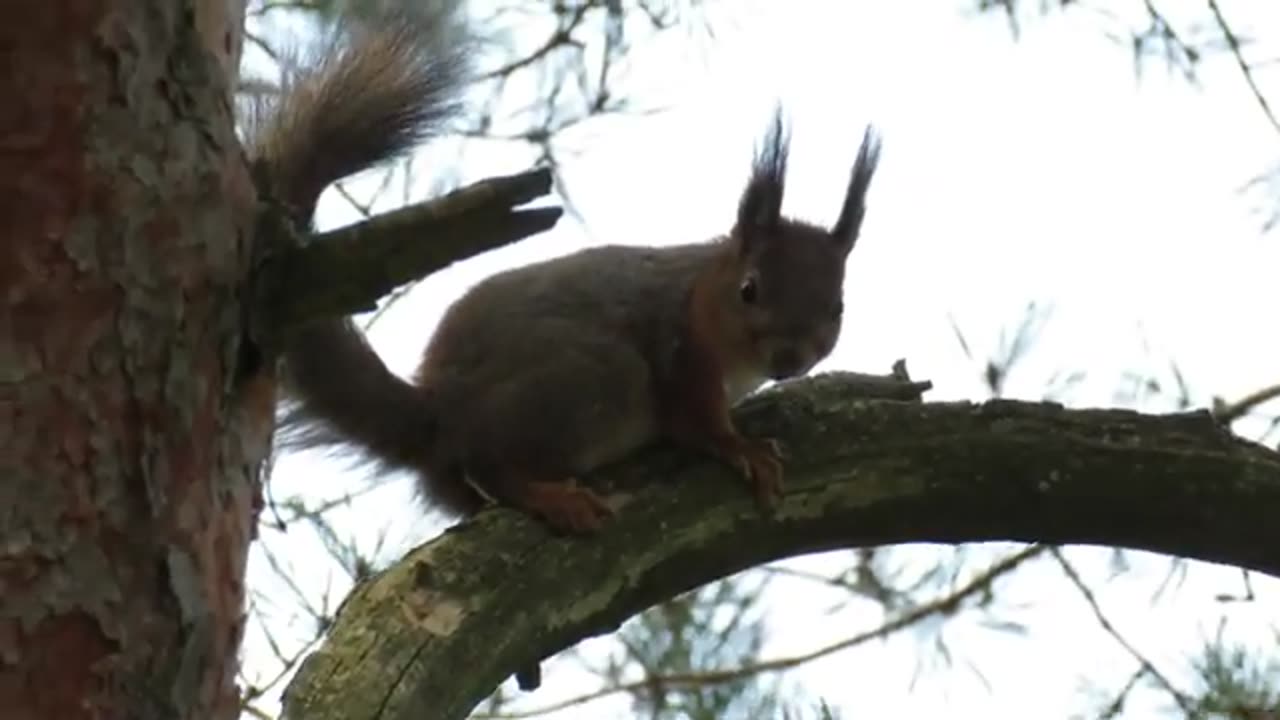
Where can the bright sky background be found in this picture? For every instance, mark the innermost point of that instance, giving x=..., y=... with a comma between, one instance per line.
x=1038, y=170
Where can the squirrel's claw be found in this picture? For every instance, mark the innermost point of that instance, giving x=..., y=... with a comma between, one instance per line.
x=760, y=462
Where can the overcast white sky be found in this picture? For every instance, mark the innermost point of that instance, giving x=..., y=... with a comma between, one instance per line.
x=1013, y=172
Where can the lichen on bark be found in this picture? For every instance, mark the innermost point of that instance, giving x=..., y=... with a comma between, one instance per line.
x=861, y=472
x=128, y=475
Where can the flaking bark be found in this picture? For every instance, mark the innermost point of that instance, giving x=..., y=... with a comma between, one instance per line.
x=128, y=451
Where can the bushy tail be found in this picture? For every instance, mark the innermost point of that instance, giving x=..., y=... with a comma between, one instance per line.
x=342, y=396
x=380, y=89
x=376, y=91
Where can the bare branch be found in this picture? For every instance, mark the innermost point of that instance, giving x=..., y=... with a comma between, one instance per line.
x=1233, y=42
x=1144, y=662
x=561, y=37
x=1229, y=412
x=348, y=270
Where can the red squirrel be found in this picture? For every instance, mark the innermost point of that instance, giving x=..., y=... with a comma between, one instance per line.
x=539, y=375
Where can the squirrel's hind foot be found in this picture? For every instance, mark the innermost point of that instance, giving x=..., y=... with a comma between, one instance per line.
x=564, y=505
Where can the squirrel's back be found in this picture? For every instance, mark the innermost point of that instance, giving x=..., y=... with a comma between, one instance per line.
x=633, y=295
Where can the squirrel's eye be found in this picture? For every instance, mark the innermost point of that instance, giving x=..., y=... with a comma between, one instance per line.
x=748, y=290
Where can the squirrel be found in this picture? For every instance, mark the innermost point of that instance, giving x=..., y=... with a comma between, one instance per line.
x=539, y=375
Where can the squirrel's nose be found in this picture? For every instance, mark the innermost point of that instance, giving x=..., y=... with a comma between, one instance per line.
x=787, y=362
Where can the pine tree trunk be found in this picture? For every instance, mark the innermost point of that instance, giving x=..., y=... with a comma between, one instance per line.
x=129, y=436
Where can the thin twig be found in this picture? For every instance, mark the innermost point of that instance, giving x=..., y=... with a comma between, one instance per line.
x=1171, y=40
x=562, y=36
x=1233, y=42
x=1116, y=706
x=1184, y=702
x=1228, y=413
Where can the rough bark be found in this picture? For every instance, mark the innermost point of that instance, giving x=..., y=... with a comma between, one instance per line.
x=434, y=634
x=127, y=446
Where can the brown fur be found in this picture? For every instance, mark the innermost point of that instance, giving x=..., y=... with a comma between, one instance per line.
x=539, y=375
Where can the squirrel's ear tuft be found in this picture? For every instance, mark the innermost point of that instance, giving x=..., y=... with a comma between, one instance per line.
x=760, y=207
x=845, y=231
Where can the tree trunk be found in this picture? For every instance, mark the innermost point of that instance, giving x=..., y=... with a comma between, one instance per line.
x=129, y=438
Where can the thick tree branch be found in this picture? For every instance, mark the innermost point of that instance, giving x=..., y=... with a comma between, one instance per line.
x=433, y=635
x=346, y=271
x=948, y=604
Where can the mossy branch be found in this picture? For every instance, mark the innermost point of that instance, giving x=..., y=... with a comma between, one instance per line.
x=431, y=636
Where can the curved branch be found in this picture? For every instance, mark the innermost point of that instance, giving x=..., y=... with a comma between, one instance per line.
x=434, y=634
x=938, y=607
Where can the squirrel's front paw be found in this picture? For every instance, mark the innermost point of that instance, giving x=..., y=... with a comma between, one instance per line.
x=760, y=461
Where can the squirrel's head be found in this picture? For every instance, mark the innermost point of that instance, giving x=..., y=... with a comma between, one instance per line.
x=788, y=275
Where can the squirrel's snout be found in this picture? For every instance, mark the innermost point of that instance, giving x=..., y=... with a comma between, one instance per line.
x=788, y=361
